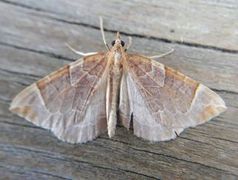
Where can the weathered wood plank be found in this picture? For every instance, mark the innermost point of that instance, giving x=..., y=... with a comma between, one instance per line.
x=203, y=23
x=51, y=165
x=48, y=36
x=32, y=45
x=107, y=154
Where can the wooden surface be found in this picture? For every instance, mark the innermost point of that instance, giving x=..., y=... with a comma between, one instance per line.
x=32, y=44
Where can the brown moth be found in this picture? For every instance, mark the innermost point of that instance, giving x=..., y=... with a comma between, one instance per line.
x=85, y=98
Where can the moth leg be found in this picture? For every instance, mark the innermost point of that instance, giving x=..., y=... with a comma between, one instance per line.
x=129, y=43
x=103, y=35
x=79, y=52
x=162, y=55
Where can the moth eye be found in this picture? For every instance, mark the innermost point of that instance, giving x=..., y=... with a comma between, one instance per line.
x=113, y=42
x=122, y=43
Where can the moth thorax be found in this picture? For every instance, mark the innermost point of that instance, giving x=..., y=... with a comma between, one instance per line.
x=117, y=58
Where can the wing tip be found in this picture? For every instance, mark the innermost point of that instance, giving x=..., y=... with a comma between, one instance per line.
x=215, y=106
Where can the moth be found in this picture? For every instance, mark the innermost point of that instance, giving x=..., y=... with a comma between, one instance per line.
x=81, y=100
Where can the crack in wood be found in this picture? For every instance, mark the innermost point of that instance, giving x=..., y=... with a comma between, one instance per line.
x=160, y=39
x=172, y=157
x=223, y=139
x=21, y=125
x=5, y=101
x=201, y=142
x=224, y=91
x=17, y=170
x=20, y=73
x=23, y=6
x=49, y=54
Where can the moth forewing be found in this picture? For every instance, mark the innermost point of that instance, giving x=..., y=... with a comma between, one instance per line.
x=70, y=103
x=165, y=101
x=124, y=111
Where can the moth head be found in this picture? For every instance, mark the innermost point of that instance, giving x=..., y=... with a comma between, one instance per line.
x=118, y=42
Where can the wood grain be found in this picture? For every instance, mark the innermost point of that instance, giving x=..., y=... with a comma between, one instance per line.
x=32, y=44
x=206, y=23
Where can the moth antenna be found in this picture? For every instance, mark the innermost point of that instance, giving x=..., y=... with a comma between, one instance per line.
x=79, y=52
x=129, y=43
x=162, y=55
x=103, y=35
